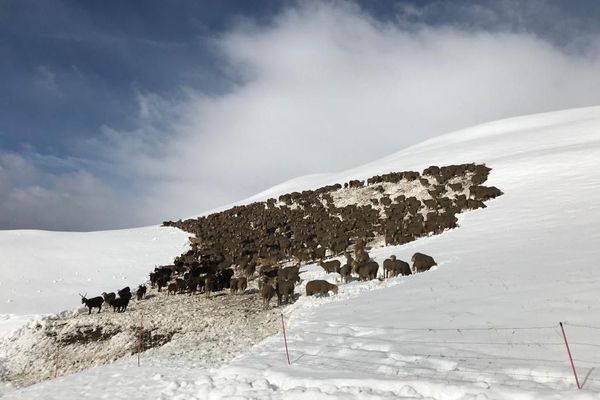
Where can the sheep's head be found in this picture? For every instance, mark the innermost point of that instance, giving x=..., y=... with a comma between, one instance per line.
x=334, y=289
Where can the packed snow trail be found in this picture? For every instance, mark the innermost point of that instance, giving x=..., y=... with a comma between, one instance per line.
x=525, y=262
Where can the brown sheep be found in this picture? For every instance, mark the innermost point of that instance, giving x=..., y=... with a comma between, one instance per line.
x=266, y=293
x=172, y=288
x=192, y=284
x=289, y=273
x=285, y=291
x=393, y=267
x=320, y=287
x=233, y=282
x=402, y=268
x=388, y=268
x=249, y=270
x=331, y=266
x=242, y=284
x=209, y=284
x=181, y=285
x=345, y=272
x=422, y=262
x=484, y=193
x=367, y=271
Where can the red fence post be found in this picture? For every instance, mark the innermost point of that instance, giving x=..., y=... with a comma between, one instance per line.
x=140, y=338
x=570, y=357
x=285, y=341
x=56, y=359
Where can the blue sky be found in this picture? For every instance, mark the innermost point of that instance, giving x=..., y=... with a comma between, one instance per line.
x=120, y=113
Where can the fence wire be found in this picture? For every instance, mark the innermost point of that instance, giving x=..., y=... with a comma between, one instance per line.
x=467, y=367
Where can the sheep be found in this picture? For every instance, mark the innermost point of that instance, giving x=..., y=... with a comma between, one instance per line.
x=193, y=283
x=242, y=284
x=172, y=288
x=388, y=268
x=249, y=270
x=393, y=267
x=285, y=291
x=94, y=302
x=289, y=273
x=264, y=233
x=330, y=266
x=141, y=292
x=233, y=282
x=210, y=283
x=108, y=297
x=181, y=285
x=321, y=287
x=266, y=293
x=268, y=271
x=402, y=268
x=422, y=262
x=345, y=272
x=367, y=270
x=361, y=255
x=484, y=193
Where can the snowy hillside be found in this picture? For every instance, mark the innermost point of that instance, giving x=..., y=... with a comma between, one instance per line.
x=482, y=325
x=42, y=272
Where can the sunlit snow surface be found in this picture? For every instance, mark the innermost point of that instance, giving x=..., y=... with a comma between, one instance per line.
x=42, y=272
x=482, y=325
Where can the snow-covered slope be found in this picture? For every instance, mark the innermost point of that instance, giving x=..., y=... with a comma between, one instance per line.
x=42, y=272
x=483, y=325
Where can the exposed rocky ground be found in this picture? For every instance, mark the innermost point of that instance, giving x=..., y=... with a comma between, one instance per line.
x=209, y=331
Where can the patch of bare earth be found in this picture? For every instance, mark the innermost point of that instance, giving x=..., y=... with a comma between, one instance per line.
x=211, y=331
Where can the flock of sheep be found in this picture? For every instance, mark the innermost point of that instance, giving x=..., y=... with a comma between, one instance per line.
x=310, y=225
x=396, y=208
x=277, y=280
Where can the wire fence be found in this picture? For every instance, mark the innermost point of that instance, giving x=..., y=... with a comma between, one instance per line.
x=510, y=355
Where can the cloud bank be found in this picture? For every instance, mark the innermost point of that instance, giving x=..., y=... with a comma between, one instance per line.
x=322, y=88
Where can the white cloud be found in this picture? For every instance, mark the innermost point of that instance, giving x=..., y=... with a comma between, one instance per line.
x=32, y=197
x=326, y=87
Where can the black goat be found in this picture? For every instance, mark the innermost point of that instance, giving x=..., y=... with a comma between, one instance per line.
x=141, y=292
x=94, y=302
x=125, y=292
x=162, y=282
x=120, y=304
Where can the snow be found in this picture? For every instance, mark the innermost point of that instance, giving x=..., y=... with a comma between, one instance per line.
x=42, y=272
x=481, y=325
